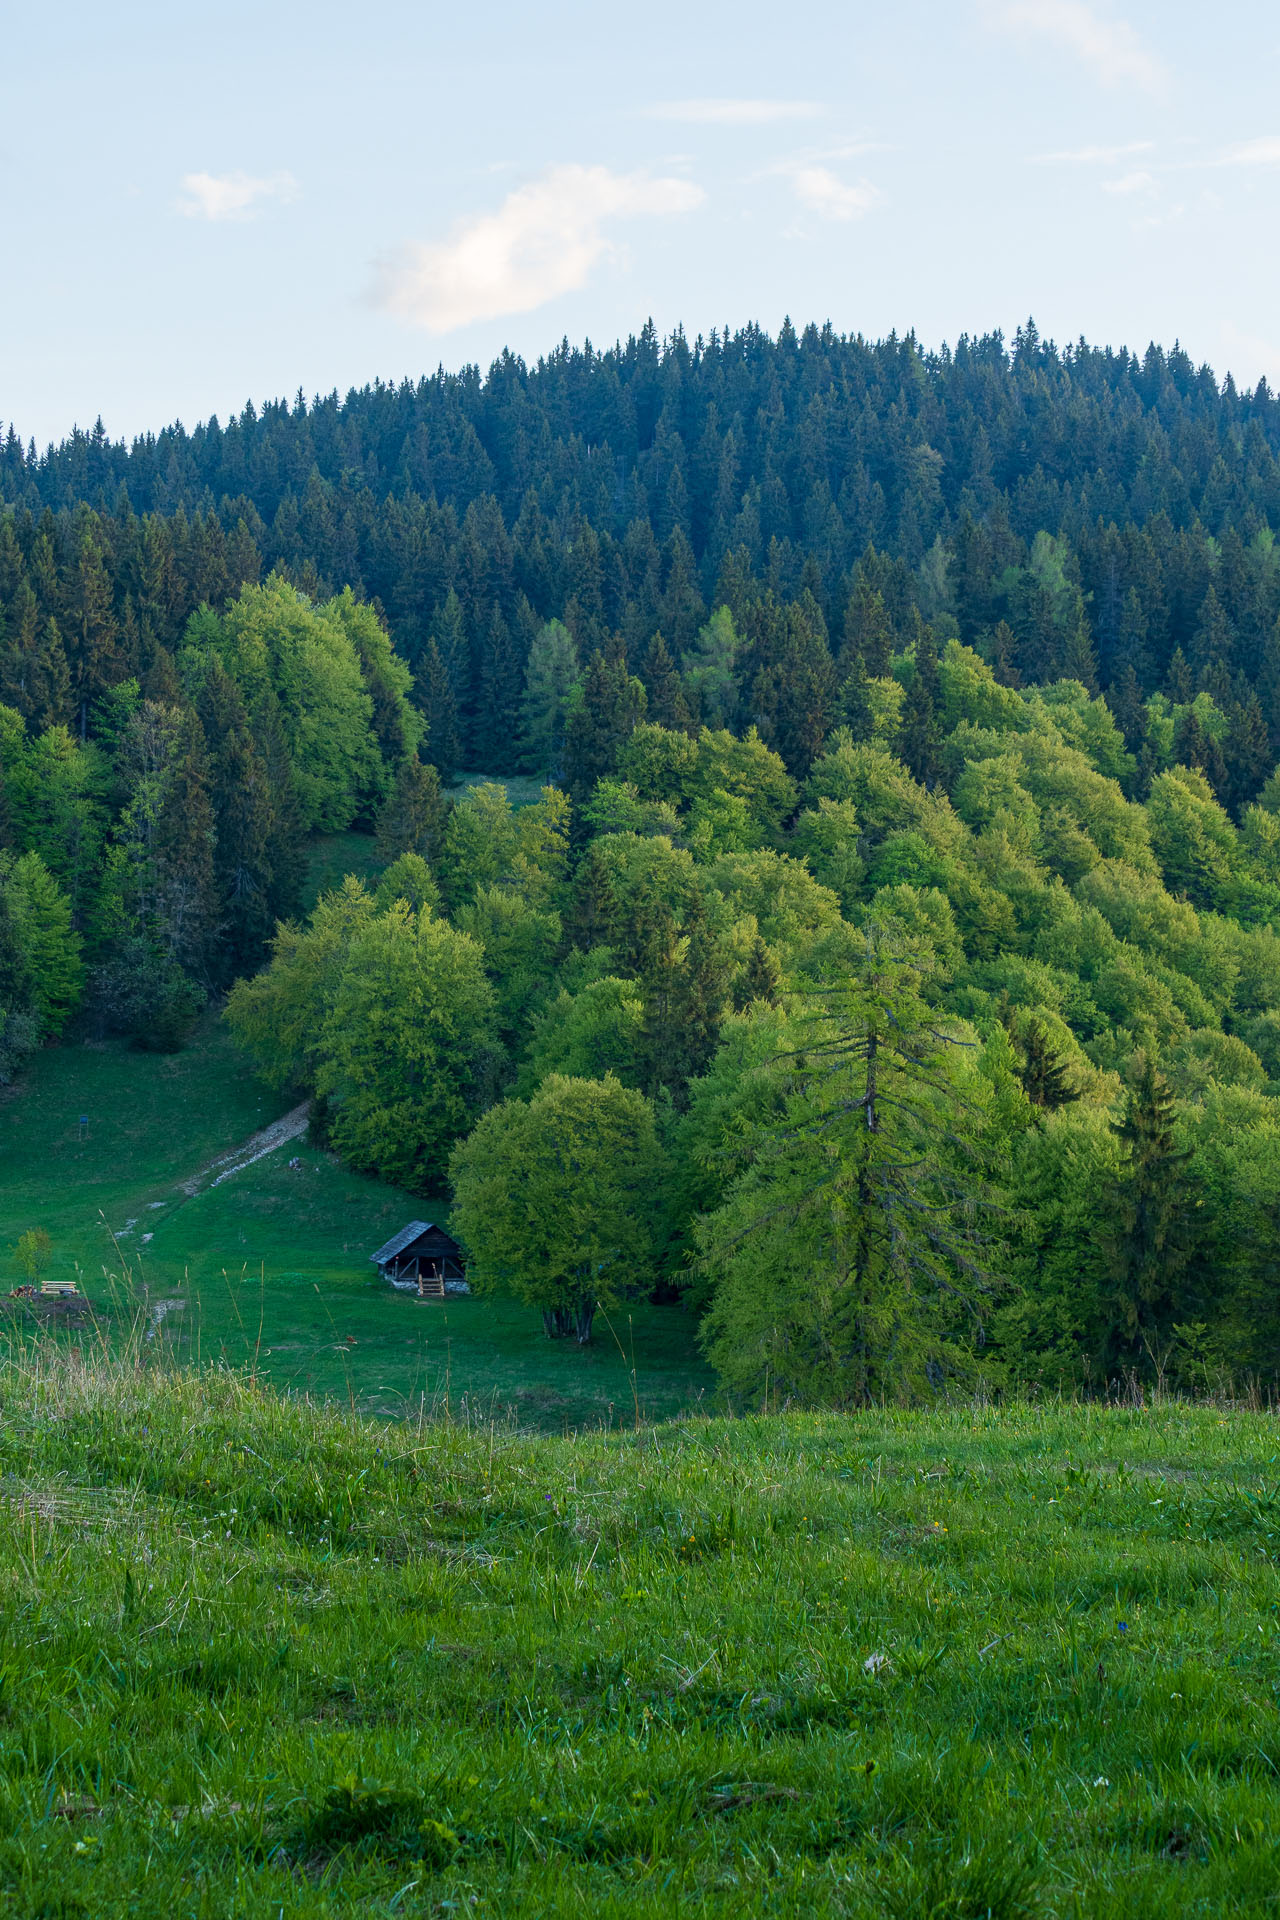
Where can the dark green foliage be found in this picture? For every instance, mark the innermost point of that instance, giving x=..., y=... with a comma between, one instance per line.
x=919, y=745
x=1147, y=1220
x=758, y=979
x=667, y=705
x=609, y=706
x=415, y=814
x=439, y=706
x=367, y=1818
x=1044, y=1074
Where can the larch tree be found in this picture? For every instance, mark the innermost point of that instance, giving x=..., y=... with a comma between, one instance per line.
x=849, y=1259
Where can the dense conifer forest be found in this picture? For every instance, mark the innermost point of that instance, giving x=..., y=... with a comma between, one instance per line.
x=892, y=953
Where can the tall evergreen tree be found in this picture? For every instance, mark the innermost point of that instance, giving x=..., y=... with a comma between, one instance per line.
x=1147, y=1222
x=668, y=706
x=415, y=815
x=868, y=632
x=550, y=677
x=919, y=743
x=240, y=797
x=1247, y=754
x=758, y=980
x=608, y=709
x=440, y=711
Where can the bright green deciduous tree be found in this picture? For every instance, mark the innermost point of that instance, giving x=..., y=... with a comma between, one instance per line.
x=557, y=1200
x=407, y=1055
x=281, y=1015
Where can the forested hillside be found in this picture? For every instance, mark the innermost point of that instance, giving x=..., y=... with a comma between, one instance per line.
x=891, y=959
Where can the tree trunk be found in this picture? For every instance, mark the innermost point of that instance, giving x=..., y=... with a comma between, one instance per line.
x=558, y=1321
x=583, y=1316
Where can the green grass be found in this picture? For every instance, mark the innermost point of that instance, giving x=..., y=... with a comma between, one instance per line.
x=522, y=788
x=273, y=1263
x=332, y=856
x=261, y=1659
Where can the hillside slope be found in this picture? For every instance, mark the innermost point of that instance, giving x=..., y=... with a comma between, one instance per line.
x=260, y=1659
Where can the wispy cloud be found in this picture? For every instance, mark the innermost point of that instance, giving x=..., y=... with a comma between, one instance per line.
x=1253, y=153
x=232, y=196
x=1110, y=47
x=1138, y=182
x=824, y=193
x=1093, y=156
x=541, y=242
x=736, y=113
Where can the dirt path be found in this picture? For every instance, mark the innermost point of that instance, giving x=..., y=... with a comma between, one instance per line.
x=288, y=1127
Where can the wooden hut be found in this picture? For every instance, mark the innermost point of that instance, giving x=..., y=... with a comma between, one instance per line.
x=422, y=1259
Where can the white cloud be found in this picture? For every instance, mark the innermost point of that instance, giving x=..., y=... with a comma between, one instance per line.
x=1254, y=153
x=543, y=241
x=1110, y=47
x=1094, y=156
x=824, y=193
x=1138, y=182
x=736, y=113
x=232, y=196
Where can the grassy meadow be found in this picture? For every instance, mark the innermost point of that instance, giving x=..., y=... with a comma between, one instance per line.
x=270, y=1266
x=262, y=1659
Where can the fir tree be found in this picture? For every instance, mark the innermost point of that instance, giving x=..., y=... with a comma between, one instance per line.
x=1194, y=746
x=94, y=630
x=186, y=891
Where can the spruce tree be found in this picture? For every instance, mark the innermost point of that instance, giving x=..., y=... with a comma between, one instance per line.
x=1001, y=651
x=1178, y=681
x=1148, y=1224
x=94, y=630
x=1248, y=754
x=440, y=711
x=758, y=980
x=868, y=632
x=186, y=888
x=415, y=814
x=661, y=680
x=609, y=708
x=919, y=745
x=1043, y=1072
x=551, y=674
x=240, y=795
x=497, y=719
x=1124, y=697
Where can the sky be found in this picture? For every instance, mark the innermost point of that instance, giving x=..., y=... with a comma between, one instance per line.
x=202, y=205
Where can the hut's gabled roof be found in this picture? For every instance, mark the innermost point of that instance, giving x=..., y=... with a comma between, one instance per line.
x=399, y=1241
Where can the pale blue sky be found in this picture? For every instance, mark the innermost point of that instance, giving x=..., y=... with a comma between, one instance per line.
x=203, y=205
